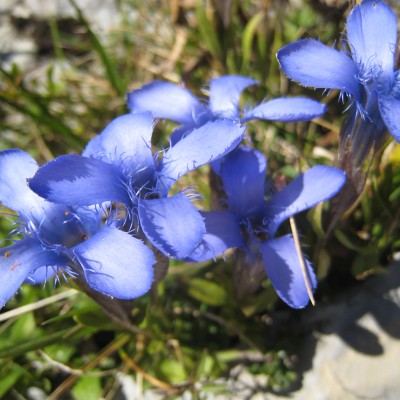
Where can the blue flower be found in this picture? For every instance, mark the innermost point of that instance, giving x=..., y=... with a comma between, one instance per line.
x=57, y=238
x=118, y=166
x=250, y=223
x=169, y=101
x=367, y=75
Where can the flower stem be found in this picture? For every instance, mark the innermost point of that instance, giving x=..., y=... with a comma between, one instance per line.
x=301, y=259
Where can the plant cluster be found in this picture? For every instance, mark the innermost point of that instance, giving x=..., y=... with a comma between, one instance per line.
x=180, y=181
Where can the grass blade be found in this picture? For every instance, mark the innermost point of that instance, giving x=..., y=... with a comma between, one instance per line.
x=109, y=66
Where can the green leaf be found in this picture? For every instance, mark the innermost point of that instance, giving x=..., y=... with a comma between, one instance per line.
x=289, y=171
x=259, y=302
x=365, y=263
x=22, y=330
x=112, y=72
x=87, y=388
x=395, y=195
x=314, y=216
x=82, y=307
x=207, y=292
x=205, y=365
x=173, y=370
x=207, y=31
x=352, y=243
x=95, y=318
x=61, y=352
x=30, y=105
x=9, y=377
x=248, y=37
x=229, y=356
x=55, y=36
x=38, y=343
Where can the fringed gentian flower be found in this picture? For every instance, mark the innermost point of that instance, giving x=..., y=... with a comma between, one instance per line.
x=250, y=223
x=118, y=165
x=57, y=238
x=169, y=101
x=366, y=75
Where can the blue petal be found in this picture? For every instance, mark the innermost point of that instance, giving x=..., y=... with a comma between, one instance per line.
x=372, y=36
x=67, y=226
x=116, y=264
x=390, y=112
x=243, y=177
x=16, y=167
x=318, y=184
x=41, y=275
x=42, y=218
x=172, y=224
x=20, y=260
x=311, y=63
x=225, y=93
x=205, y=144
x=286, y=110
x=283, y=269
x=167, y=100
x=179, y=134
x=79, y=181
x=90, y=217
x=222, y=233
x=126, y=142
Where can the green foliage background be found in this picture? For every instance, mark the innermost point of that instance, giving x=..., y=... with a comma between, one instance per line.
x=195, y=326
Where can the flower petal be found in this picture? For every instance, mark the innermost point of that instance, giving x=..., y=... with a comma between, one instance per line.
x=390, y=112
x=243, y=176
x=372, y=36
x=167, y=100
x=318, y=184
x=126, y=142
x=42, y=218
x=116, y=264
x=311, y=63
x=283, y=269
x=179, y=134
x=20, y=260
x=286, y=110
x=79, y=181
x=16, y=167
x=225, y=92
x=41, y=275
x=172, y=224
x=222, y=233
x=205, y=144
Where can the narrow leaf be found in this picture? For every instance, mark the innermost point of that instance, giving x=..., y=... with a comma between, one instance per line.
x=108, y=64
x=248, y=37
x=207, y=292
x=208, y=31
